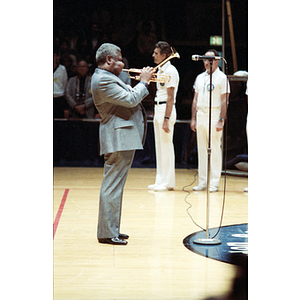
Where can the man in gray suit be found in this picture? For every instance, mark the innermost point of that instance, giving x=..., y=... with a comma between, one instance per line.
x=122, y=131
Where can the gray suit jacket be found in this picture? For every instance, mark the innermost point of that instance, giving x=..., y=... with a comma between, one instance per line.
x=123, y=118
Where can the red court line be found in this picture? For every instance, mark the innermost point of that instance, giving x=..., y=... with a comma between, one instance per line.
x=60, y=210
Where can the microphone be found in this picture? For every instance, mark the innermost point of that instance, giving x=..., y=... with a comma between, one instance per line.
x=197, y=57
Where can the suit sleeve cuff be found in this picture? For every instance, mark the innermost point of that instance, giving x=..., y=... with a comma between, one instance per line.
x=144, y=83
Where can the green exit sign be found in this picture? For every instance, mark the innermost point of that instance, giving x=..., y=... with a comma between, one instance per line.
x=216, y=40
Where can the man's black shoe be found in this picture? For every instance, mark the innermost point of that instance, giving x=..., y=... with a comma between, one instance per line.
x=112, y=241
x=123, y=236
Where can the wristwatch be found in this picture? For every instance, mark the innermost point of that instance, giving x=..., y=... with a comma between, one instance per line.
x=221, y=119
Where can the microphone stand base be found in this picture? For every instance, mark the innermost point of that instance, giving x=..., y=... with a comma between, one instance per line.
x=207, y=241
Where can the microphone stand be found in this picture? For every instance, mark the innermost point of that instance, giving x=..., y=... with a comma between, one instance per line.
x=208, y=240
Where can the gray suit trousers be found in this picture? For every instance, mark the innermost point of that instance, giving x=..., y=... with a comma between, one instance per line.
x=116, y=168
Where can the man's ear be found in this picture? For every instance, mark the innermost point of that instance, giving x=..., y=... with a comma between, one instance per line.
x=109, y=59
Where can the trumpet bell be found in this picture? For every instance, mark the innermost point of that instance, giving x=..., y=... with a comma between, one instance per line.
x=175, y=53
x=161, y=78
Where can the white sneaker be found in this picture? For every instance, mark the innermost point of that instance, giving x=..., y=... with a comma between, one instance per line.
x=213, y=189
x=151, y=186
x=162, y=188
x=246, y=190
x=199, y=188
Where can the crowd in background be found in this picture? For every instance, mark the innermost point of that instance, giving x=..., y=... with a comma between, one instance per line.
x=78, y=33
x=77, y=37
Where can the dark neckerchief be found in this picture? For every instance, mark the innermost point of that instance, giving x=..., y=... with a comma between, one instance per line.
x=82, y=84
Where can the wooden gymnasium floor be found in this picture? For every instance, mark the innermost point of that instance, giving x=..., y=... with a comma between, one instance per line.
x=155, y=264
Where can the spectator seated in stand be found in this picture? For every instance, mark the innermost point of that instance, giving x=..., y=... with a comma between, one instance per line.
x=79, y=94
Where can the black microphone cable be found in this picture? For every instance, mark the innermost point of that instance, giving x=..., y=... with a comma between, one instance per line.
x=190, y=205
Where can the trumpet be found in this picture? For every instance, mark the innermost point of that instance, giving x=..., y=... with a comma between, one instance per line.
x=133, y=74
x=156, y=77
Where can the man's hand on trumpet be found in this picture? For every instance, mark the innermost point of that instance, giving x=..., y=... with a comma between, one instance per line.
x=146, y=74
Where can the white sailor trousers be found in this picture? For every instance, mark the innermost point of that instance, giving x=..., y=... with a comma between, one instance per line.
x=202, y=144
x=164, y=148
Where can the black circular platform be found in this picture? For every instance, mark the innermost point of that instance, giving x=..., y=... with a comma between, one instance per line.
x=234, y=241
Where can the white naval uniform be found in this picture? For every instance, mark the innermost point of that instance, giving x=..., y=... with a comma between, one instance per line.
x=60, y=80
x=164, y=148
x=201, y=86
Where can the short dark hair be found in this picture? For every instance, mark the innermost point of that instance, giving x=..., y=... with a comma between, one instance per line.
x=164, y=47
x=82, y=59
